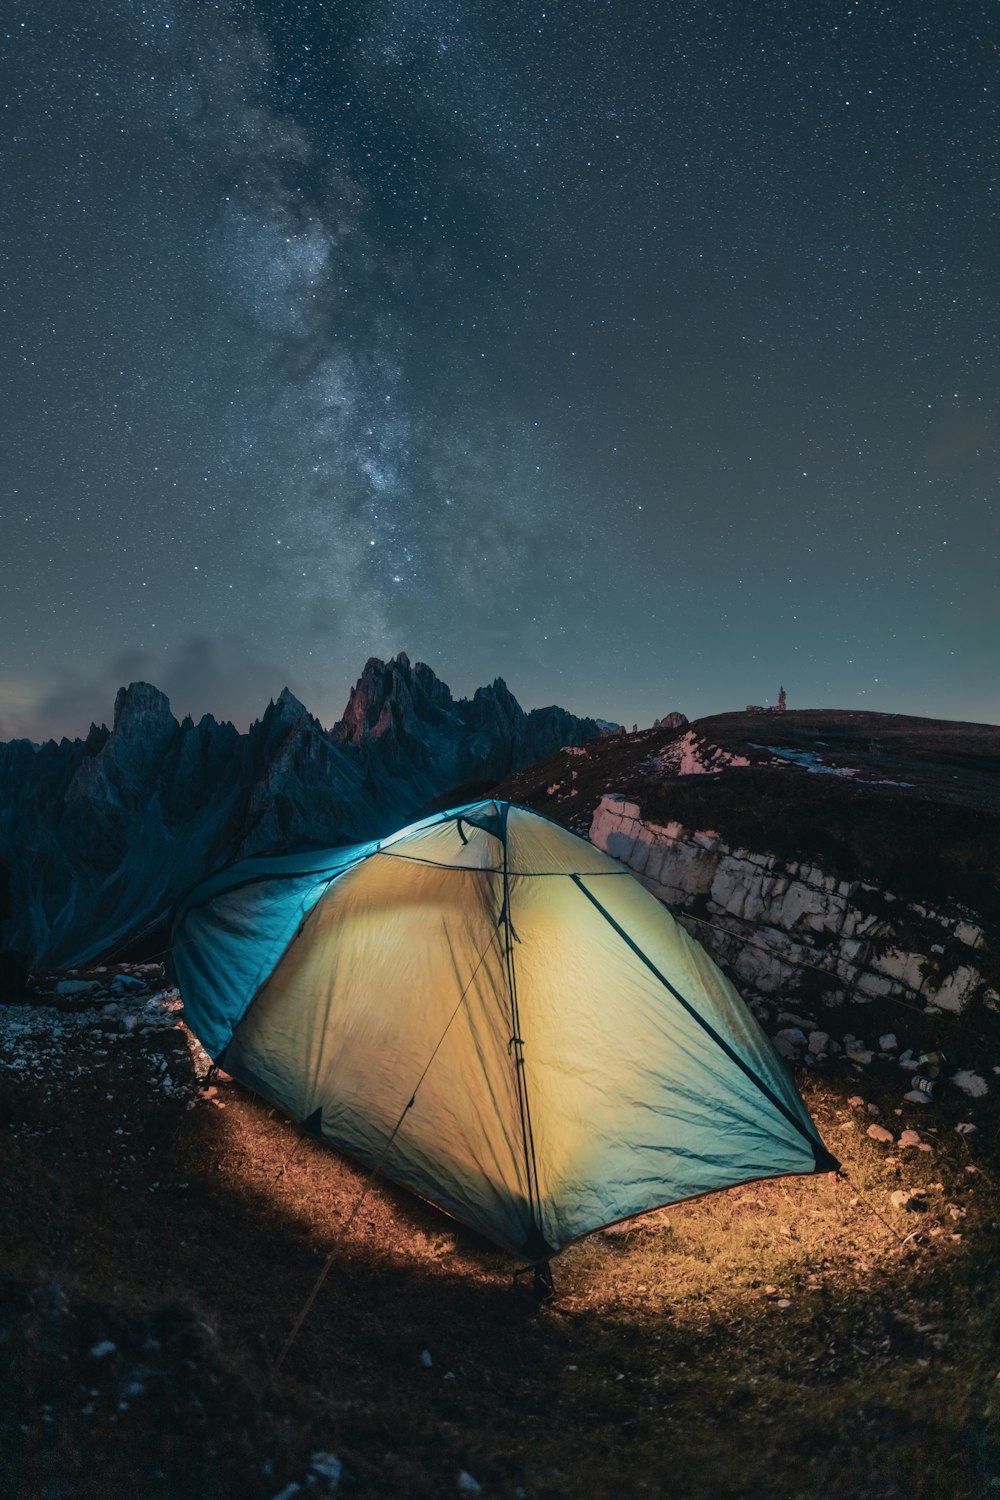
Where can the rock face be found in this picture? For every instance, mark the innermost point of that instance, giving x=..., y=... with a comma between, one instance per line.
x=99, y=836
x=780, y=925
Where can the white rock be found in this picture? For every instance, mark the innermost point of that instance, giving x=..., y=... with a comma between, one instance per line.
x=874, y=986
x=103, y=1349
x=966, y=1127
x=888, y=1043
x=956, y=989
x=970, y=1083
x=466, y=1485
x=899, y=963
x=858, y=1054
x=425, y=1358
x=879, y=1133
x=969, y=934
x=909, y=1138
x=915, y=1097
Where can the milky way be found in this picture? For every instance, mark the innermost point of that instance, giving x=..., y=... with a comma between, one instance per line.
x=646, y=354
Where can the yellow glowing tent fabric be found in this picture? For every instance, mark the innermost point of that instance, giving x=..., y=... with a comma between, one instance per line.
x=560, y=1053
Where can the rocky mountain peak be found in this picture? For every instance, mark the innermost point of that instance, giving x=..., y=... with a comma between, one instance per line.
x=140, y=708
x=285, y=722
x=393, y=698
x=96, y=739
x=288, y=708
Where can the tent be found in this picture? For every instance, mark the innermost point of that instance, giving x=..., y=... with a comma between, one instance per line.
x=496, y=1014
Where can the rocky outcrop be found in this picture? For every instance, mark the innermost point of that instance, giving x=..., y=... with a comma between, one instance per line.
x=410, y=716
x=786, y=928
x=101, y=835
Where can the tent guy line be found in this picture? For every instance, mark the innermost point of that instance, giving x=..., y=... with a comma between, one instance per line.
x=369, y=1182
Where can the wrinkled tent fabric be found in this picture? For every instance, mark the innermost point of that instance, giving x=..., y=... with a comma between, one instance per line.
x=561, y=1053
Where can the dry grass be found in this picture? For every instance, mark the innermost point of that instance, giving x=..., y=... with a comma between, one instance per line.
x=776, y=1340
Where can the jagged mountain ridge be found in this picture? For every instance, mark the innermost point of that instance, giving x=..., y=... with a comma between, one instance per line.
x=100, y=835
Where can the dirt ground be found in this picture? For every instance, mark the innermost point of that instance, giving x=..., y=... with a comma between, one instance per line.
x=798, y=1338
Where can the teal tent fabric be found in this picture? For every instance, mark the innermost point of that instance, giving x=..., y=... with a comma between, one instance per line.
x=552, y=1050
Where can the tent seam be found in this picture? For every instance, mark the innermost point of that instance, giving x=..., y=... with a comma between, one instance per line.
x=814, y=1142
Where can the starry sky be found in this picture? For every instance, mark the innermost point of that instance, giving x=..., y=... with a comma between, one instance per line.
x=643, y=352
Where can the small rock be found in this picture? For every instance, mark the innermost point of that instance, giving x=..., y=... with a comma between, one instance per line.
x=795, y=1035
x=916, y=1097
x=859, y=1054
x=425, y=1358
x=888, y=1043
x=784, y=1302
x=970, y=1083
x=908, y=1198
x=873, y=1109
x=327, y=1466
x=879, y=1133
x=819, y=1042
x=103, y=1349
x=466, y=1485
x=966, y=1127
x=909, y=1138
x=856, y=1101
x=123, y=982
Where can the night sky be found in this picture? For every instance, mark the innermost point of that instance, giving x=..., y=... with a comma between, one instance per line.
x=645, y=354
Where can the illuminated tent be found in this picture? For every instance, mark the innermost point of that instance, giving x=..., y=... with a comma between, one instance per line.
x=538, y=1043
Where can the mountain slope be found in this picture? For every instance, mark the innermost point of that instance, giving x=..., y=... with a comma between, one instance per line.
x=824, y=856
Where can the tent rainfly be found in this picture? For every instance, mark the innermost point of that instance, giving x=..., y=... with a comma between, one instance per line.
x=541, y=1046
